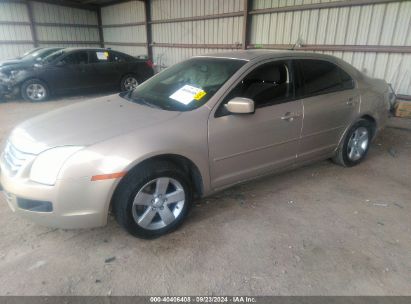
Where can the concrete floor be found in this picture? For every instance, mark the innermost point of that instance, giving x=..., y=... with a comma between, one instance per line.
x=318, y=230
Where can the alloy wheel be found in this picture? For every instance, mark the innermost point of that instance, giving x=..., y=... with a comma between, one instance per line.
x=358, y=143
x=130, y=83
x=158, y=203
x=36, y=91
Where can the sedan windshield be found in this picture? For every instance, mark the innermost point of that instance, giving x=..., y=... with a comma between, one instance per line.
x=40, y=53
x=29, y=52
x=187, y=85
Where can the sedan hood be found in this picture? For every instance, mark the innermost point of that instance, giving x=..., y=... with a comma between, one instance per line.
x=19, y=65
x=85, y=123
x=9, y=62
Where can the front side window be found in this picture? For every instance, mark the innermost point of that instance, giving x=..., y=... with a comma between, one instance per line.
x=187, y=85
x=321, y=77
x=76, y=58
x=266, y=85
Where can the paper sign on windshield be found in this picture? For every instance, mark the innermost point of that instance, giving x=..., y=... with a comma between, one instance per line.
x=199, y=95
x=102, y=55
x=187, y=94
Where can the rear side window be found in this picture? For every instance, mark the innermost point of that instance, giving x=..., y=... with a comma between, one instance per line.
x=99, y=56
x=321, y=77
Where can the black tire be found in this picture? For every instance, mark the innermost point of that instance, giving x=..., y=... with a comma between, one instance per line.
x=124, y=80
x=34, y=82
x=342, y=155
x=133, y=183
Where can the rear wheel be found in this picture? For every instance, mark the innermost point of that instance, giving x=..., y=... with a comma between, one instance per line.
x=34, y=90
x=129, y=83
x=152, y=200
x=354, y=148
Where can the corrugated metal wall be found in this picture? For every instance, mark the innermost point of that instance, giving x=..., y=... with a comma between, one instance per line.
x=72, y=32
x=215, y=31
x=80, y=27
x=21, y=34
x=217, y=25
x=378, y=24
x=124, y=28
x=375, y=24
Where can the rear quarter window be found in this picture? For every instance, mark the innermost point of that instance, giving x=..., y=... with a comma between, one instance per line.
x=119, y=57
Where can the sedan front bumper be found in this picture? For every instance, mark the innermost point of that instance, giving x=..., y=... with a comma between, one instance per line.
x=70, y=204
x=8, y=89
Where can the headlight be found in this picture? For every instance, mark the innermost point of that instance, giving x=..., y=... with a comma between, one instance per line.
x=7, y=76
x=3, y=77
x=47, y=165
x=14, y=73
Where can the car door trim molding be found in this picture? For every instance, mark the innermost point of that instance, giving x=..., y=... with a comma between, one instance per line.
x=323, y=131
x=255, y=149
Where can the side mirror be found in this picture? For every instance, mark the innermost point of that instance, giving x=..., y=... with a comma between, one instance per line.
x=240, y=105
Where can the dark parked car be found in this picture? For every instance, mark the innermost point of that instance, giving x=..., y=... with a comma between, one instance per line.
x=78, y=68
x=26, y=60
x=11, y=66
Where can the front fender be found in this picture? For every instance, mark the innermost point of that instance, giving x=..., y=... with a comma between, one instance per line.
x=122, y=153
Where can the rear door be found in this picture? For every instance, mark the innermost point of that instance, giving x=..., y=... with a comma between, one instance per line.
x=330, y=102
x=245, y=146
x=107, y=69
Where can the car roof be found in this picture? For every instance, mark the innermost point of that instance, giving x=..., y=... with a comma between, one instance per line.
x=70, y=49
x=93, y=49
x=249, y=55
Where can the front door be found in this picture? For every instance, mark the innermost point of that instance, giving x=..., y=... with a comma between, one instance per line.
x=73, y=71
x=245, y=146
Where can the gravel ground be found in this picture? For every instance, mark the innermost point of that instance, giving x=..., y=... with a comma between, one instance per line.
x=317, y=230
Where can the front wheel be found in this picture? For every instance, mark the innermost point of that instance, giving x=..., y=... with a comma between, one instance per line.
x=129, y=83
x=354, y=148
x=34, y=90
x=152, y=200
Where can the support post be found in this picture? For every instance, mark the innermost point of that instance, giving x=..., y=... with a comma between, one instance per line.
x=246, y=23
x=147, y=9
x=100, y=27
x=33, y=29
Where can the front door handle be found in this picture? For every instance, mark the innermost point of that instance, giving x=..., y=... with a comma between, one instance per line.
x=350, y=101
x=289, y=116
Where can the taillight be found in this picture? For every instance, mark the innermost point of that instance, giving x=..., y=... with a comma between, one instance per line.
x=150, y=63
x=392, y=97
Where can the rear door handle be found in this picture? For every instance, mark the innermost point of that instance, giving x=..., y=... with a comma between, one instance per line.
x=289, y=116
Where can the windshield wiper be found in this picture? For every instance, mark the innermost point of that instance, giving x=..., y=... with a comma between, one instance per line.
x=144, y=102
x=140, y=100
